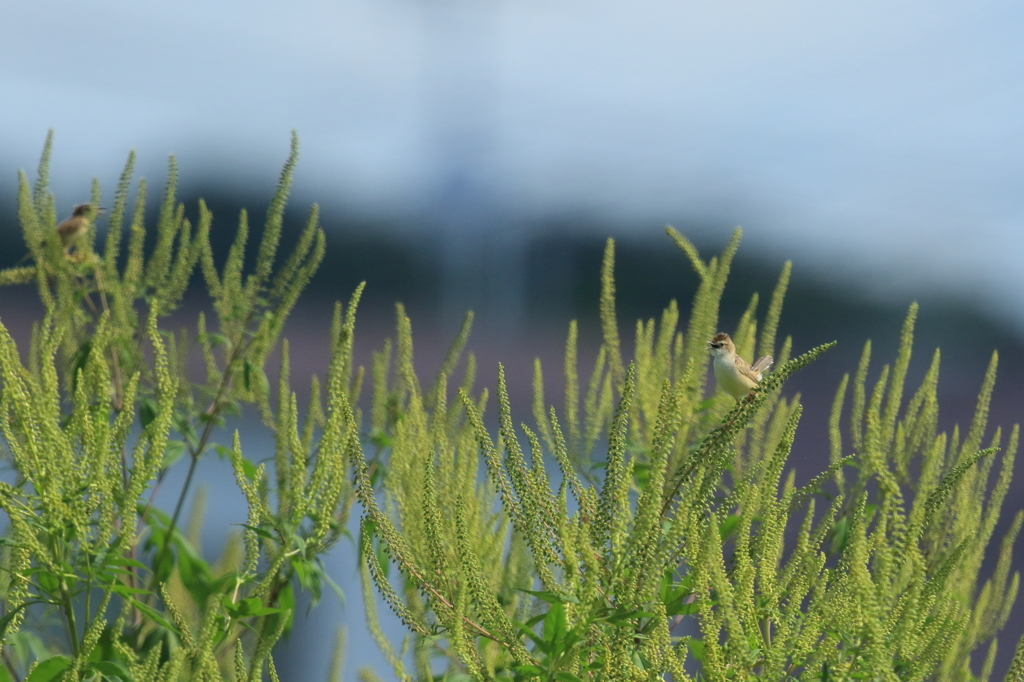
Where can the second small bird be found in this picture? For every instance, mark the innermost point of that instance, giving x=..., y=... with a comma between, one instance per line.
x=732, y=373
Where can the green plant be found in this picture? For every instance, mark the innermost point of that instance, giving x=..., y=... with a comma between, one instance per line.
x=670, y=540
x=104, y=407
x=693, y=524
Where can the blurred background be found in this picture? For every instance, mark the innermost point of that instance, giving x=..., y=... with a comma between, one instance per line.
x=475, y=154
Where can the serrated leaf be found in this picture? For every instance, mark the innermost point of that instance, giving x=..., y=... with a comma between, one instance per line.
x=554, y=625
x=50, y=670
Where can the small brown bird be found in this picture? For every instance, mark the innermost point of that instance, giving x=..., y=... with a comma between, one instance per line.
x=732, y=372
x=75, y=227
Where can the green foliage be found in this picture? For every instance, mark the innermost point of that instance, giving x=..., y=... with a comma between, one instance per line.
x=648, y=527
x=683, y=548
x=104, y=408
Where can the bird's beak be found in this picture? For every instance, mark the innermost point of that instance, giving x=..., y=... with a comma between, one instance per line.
x=101, y=210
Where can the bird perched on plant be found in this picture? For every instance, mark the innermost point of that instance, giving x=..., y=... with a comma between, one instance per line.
x=732, y=373
x=74, y=228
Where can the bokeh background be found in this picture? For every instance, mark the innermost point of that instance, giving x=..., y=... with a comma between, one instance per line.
x=475, y=154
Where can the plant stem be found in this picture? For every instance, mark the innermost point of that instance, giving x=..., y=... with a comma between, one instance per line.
x=88, y=593
x=181, y=498
x=211, y=413
x=69, y=617
x=197, y=452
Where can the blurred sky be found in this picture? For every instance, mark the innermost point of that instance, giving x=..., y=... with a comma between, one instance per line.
x=879, y=142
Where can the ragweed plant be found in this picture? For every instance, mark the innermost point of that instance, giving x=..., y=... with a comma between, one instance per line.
x=646, y=528
x=932, y=552
x=670, y=540
x=104, y=408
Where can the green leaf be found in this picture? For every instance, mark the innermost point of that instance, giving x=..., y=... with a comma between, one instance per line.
x=528, y=670
x=80, y=359
x=554, y=624
x=380, y=439
x=671, y=591
x=728, y=527
x=163, y=565
x=215, y=419
x=839, y=531
x=196, y=576
x=697, y=649
x=147, y=411
x=552, y=597
x=125, y=590
x=313, y=584
x=110, y=572
x=111, y=670
x=541, y=644
x=174, y=451
x=216, y=339
x=154, y=615
x=152, y=516
x=641, y=475
x=335, y=587
x=184, y=426
x=286, y=602
x=248, y=468
x=48, y=581
x=536, y=619
x=121, y=560
x=49, y=670
x=252, y=606
x=262, y=532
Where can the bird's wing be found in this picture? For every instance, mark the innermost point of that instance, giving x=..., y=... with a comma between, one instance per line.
x=69, y=226
x=746, y=370
x=763, y=364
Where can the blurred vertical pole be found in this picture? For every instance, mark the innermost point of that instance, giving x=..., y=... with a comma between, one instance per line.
x=482, y=254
